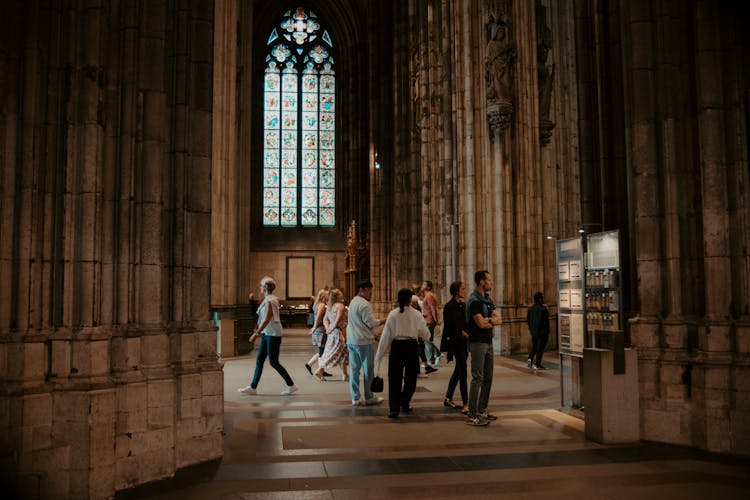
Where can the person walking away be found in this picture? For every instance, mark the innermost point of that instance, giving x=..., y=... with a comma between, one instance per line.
x=431, y=318
x=403, y=327
x=481, y=317
x=455, y=338
x=269, y=329
x=318, y=330
x=537, y=318
x=360, y=340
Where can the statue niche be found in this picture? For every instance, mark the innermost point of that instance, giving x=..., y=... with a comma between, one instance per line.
x=545, y=75
x=356, y=260
x=499, y=65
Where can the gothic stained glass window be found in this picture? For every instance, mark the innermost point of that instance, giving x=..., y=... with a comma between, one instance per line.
x=299, y=132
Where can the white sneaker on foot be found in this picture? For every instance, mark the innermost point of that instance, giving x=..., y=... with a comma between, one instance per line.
x=247, y=390
x=375, y=400
x=290, y=389
x=355, y=402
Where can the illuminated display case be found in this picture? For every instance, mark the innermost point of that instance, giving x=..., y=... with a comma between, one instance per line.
x=570, y=319
x=570, y=292
x=603, y=314
x=589, y=305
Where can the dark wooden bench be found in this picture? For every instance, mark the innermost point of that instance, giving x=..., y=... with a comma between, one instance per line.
x=294, y=311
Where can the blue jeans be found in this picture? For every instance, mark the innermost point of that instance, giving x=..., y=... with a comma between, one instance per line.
x=269, y=348
x=361, y=356
x=481, y=377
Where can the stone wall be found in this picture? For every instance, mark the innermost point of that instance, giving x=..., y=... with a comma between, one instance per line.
x=473, y=184
x=649, y=110
x=667, y=147
x=107, y=354
x=328, y=270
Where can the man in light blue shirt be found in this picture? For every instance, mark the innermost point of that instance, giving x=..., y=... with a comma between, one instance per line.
x=360, y=341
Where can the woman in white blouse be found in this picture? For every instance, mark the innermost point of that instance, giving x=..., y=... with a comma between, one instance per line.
x=404, y=326
x=269, y=329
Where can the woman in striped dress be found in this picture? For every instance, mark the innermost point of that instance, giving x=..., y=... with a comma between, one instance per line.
x=336, y=352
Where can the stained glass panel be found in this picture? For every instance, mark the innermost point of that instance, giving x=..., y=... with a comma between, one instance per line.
x=290, y=120
x=271, y=177
x=309, y=216
x=327, y=198
x=299, y=124
x=289, y=178
x=309, y=178
x=272, y=81
x=290, y=102
x=289, y=159
x=309, y=197
x=290, y=81
x=289, y=138
x=318, y=54
x=271, y=159
x=327, y=217
x=310, y=102
x=326, y=140
x=272, y=120
x=288, y=197
x=326, y=102
x=327, y=83
x=281, y=52
x=272, y=100
x=310, y=140
x=327, y=38
x=271, y=197
x=327, y=159
x=309, y=82
x=271, y=217
x=272, y=139
x=327, y=178
x=289, y=217
x=309, y=159
x=326, y=121
x=310, y=121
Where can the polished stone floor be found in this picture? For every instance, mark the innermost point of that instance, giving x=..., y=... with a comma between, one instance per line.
x=315, y=445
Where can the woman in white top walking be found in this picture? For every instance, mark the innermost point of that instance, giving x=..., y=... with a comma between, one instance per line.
x=269, y=329
x=404, y=326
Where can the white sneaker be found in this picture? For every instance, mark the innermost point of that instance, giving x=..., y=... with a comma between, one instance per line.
x=290, y=389
x=247, y=390
x=355, y=402
x=375, y=400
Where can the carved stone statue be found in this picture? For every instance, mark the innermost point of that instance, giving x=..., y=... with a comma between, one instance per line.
x=499, y=65
x=501, y=54
x=356, y=253
x=354, y=248
x=545, y=77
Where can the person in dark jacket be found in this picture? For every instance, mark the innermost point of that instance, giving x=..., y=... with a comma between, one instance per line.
x=537, y=318
x=455, y=341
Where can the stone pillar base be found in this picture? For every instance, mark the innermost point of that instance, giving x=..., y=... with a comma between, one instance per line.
x=611, y=401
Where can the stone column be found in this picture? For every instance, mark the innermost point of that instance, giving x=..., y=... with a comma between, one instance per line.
x=715, y=336
x=108, y=265
x=224, y=181
x=646, y=186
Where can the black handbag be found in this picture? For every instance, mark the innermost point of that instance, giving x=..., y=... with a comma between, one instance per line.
x=377, y=384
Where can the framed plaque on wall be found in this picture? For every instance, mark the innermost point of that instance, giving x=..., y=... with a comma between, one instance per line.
x=300, y=277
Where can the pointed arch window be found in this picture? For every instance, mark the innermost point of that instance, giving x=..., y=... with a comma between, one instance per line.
x=299, y=132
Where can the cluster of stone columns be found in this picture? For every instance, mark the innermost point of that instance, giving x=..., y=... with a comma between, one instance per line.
x=673, y=128
x=479, y=191
x=107, y=354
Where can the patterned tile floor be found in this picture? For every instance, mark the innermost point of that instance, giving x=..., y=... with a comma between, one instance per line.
x=315, y=445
